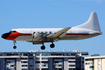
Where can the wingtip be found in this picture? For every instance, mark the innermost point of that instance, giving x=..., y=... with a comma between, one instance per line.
x=68, y=27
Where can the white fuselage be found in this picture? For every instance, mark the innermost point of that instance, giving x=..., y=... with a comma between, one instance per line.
x=72, y=34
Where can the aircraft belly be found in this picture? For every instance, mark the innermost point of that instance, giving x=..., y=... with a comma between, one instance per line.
x=30, y=39
x=77, y=37
x=71, y=37
x=24, y=38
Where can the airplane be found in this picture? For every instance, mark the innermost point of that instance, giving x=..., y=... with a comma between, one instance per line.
x=86, y=30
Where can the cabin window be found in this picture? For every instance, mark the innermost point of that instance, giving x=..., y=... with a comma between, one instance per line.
x=12, y=31
x=46, y=32
x=50, y=32
x=33, y=32
x=41, y=32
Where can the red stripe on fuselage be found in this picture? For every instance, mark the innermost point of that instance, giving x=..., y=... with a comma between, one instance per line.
x=13, y=36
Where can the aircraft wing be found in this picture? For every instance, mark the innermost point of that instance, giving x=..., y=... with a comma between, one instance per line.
x=59, y=34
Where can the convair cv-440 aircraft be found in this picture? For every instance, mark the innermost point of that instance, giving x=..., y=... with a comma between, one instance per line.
x=89, y=29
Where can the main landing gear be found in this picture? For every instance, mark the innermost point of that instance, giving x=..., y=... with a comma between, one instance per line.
x=14, y=47
x=43, y=47
x=51, y=45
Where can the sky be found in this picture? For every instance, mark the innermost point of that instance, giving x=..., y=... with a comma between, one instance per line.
x=51, y=14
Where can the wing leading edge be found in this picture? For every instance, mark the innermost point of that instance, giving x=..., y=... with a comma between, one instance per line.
x=59, y=34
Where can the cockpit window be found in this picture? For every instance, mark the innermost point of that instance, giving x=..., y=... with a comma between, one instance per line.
x=12, y=31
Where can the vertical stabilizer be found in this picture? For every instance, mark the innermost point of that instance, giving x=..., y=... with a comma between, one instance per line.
x=92, y=23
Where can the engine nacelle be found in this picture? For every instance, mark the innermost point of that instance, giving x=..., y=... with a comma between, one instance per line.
x=39, y=35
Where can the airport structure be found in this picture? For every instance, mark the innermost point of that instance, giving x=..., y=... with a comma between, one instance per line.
x=35, y=60
x=95, y=63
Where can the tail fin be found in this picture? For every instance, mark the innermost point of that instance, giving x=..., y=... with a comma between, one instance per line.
x=92, y=23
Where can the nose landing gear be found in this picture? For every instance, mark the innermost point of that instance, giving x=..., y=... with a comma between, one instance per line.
x=14, y=47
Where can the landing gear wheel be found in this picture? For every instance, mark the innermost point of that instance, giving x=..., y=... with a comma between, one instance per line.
x=52, y=45
x=14, y=47
x=43, y=47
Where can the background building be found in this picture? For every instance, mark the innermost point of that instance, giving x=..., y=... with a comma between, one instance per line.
x=35, y=60
x=95, y=63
